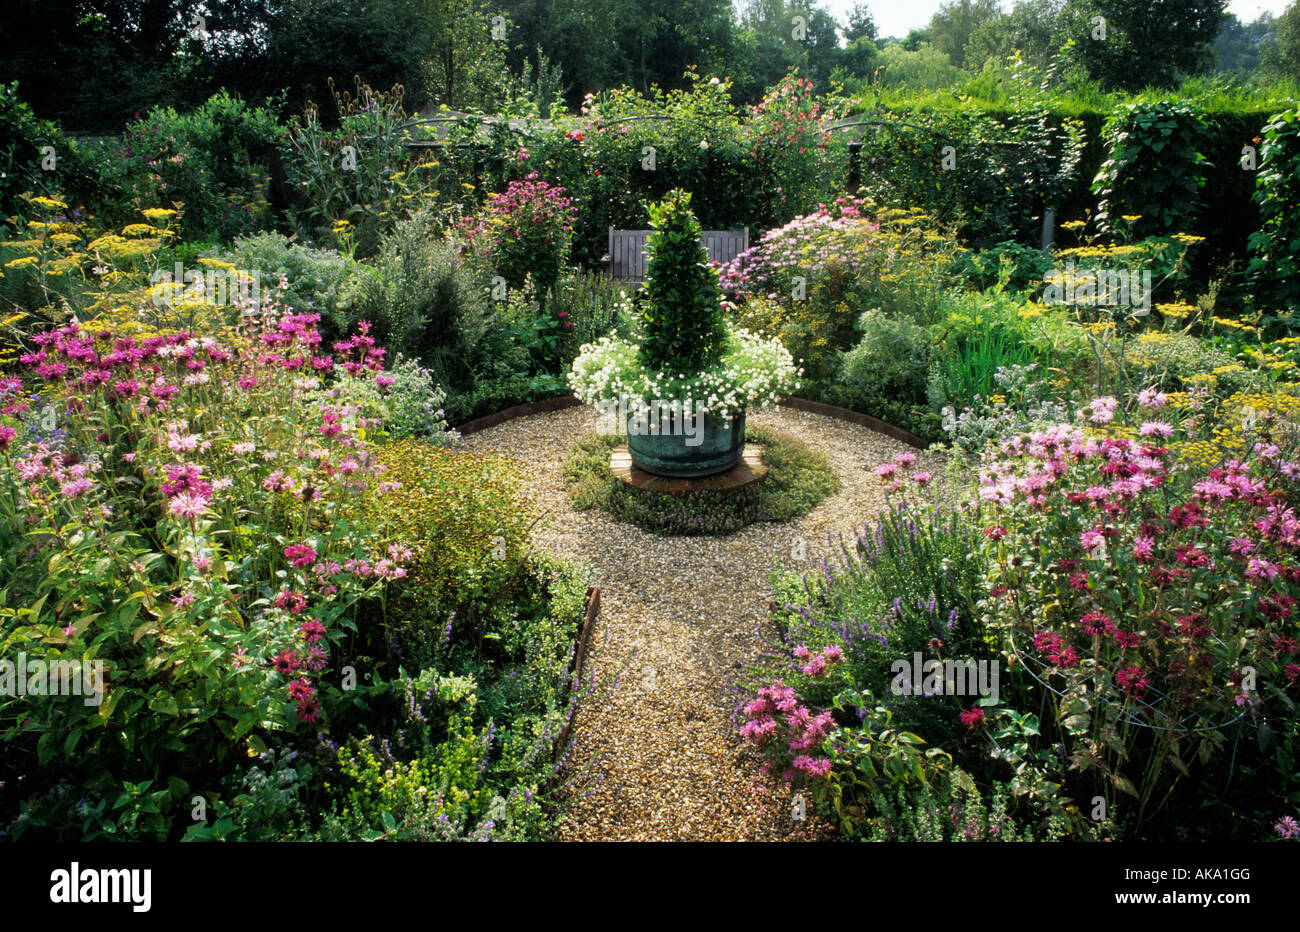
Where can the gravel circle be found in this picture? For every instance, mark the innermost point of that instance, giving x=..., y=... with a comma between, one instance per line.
x=680, y=618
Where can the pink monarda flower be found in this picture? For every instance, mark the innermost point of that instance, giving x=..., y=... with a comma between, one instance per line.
x=922, y=479
x=1132, y=680
x=814, y=767
x=1144, y=549
x=972, y=716
x=1092, y=541
x=75, y=488
x=1152, y=398
x=886, y=471
x=300, y=555
x=384, y=381
x=905, y=459
x=188, y=505
x=1103, y=409
x=7, y=434
x=1155, y=428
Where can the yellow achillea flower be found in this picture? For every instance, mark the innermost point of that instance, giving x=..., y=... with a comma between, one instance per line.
x=1188, y=238
x=138, y=229
x=1074, y=225
x=22, y=263
x=1132, y=218
x=64, y=239
x=1224, y=370
x=49, y=203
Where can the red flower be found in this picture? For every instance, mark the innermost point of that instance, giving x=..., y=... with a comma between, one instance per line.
x=972, y=717
x=285, y=662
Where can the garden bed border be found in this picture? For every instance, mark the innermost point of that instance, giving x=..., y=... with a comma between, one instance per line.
x=579, y=664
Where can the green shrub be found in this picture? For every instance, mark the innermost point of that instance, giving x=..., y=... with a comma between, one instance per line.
x=499, y=394
x=428, y=303
x=891, y=361
x=315, y=279
x=466, y=521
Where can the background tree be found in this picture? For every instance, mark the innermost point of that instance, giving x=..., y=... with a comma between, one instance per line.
x=860, y=25
x=951, y=28
x=1033, y=27
x=1148, y=42
x=1280, y=52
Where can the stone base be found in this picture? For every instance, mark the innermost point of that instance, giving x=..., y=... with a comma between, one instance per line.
x=749, y=470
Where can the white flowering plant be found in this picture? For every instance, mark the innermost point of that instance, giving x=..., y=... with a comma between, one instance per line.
x=752, y=372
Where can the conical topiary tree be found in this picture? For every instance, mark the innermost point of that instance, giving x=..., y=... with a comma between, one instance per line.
x=683, y=326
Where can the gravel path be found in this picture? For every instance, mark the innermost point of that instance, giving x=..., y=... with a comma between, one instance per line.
x=681, y=614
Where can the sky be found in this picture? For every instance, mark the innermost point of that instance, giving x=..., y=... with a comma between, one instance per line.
x=898, y=17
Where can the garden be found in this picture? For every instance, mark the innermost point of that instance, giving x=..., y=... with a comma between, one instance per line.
x=347, y=495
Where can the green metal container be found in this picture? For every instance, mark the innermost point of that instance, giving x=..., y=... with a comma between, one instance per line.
x=713, y=449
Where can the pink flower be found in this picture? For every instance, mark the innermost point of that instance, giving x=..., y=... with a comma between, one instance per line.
x=300, y=555
x=188, y=505
x=922, y=479
x=1133, y=680
x=1092, y=541
x=972, y=716
x=75, y=488
x=886, y=471
x=312, y=630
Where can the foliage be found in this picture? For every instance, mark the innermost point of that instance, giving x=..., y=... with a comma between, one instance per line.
x=1275, y=258
x=788, y=135
x=315, y=279
x=428, y=301
x=465, y=520
x=173, y=513
x=891, y=361
x=526, y=231
x=354, y=182
x=1155, y=621
x=1154, y=166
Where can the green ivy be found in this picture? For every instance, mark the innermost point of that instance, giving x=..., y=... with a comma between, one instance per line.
x=1275, y=247
x=1155, y=167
